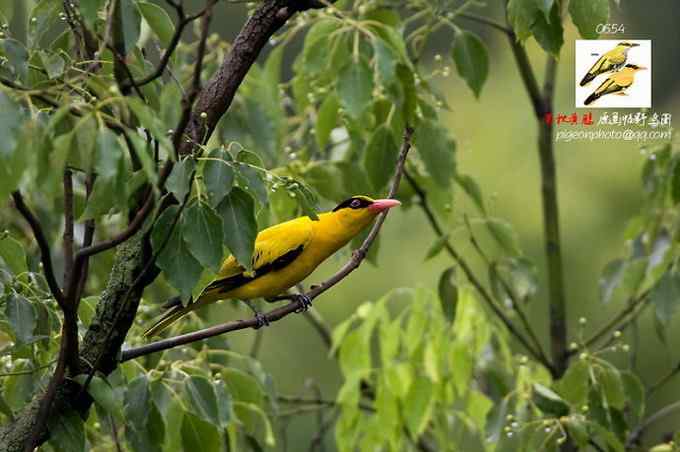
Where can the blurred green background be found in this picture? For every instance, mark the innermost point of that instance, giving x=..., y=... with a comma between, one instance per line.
x=598, y=184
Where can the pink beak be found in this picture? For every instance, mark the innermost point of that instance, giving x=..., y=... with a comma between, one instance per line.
x=383, y=204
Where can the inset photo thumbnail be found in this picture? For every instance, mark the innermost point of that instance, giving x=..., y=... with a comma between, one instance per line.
x=613, y=73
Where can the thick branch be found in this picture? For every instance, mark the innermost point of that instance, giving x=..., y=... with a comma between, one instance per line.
x=279, y=313
x=219, y=92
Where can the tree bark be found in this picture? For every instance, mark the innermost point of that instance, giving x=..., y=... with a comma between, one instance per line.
x=130, y=259
x=118, y=303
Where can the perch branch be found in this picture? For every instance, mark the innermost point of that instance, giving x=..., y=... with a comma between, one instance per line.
x=279, y=313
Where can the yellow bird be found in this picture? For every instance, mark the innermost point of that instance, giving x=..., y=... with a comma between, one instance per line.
x=618, y=82
x=284, y=255
x=610, y=61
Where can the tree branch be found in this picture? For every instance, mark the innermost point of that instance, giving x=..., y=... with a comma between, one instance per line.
x=537, y=353
x=184, y=20
x=219, y=92
x=279, y=313
x=43, y=245
x=637, y=433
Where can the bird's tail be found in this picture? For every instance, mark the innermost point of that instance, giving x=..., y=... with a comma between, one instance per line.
x=175, y=311
x=587, y=79
x=590, y=99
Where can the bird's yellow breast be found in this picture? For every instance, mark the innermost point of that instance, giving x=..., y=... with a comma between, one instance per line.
x=325, y=238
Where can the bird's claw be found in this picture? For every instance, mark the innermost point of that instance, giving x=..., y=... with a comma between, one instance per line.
x=261, y=320
x=304, y=301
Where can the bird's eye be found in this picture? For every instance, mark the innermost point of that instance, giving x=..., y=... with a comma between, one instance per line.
x=355, y=204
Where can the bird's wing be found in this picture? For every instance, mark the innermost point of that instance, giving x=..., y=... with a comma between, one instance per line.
x=275, y=248
x=608, y=86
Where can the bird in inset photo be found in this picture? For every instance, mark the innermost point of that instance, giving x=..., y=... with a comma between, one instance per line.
x=610, y=61
x=618, y=83
x=284, y=255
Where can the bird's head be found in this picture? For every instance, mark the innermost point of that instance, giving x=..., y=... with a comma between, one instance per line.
x=358, y=211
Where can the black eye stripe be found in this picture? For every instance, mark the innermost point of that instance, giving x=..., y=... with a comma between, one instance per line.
x=353, y=203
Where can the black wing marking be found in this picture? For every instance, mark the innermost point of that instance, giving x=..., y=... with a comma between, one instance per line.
x=233, y=282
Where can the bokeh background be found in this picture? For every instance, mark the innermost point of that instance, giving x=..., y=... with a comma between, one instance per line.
x=599, y=191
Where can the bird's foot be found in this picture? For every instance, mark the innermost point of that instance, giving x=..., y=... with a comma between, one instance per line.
x=304, y=301
x=261, y=319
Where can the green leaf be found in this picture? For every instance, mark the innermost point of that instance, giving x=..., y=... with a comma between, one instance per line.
x=218, y=175
x=410, y=96
x=326, y=120
x=548, y=401
x=179, y=266
x=103, y=394
x=472, y=189
x=588, y=14
x=578, y=429
x=355, y=88
x=418, y=405
x=380, y=157
x=12, y=254
x=251, y=180
x=243, y=387
x=67, y=432
x=158, y=20
x=199, y=435
x=665, y=297
x=42, y=17
x=635, y=394
x=17, y=56
x=10, y=125
x=89, y=10
x=448, y=293
x=575, y=383
x=472, y=60
x=237, y=210
x=610, y=379
x=504, y=234
x=256, y=422
x=179, y=181
x=385, y=61
x=151, y=121
x=549, y=33
x=522, y=14
x=22, y=317
x=612, y=275
x=53, y=63
x=127, y=26
x=137, y=401
x=315, y=53
x=201, y=394
x=437, y=247
x=437, y=151
x=202, y=230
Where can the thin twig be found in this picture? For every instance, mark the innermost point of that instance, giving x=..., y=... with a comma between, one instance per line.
x=486, y=21
x=637, y=432
x=43, y=245
x=68, y=227
x=462, y=263
x=167, y=54
x=279, y=313
x=516, y=304
x=190, y=97
x=663, y=380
